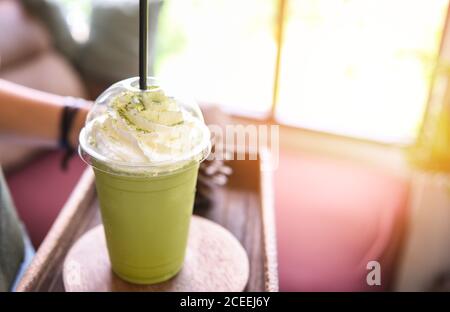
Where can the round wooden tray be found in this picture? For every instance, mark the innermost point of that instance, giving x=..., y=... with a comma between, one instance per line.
x=215, y=261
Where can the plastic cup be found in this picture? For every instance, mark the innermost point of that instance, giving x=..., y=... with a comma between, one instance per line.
x=145, y=209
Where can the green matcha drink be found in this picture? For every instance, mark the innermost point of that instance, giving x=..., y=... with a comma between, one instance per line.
x=145, y=148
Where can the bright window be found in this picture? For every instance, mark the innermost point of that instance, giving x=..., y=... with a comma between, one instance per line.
x=223, y=50
x=359, y=67
x=354, y=67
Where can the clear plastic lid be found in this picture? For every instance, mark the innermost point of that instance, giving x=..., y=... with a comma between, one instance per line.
x=107, y=162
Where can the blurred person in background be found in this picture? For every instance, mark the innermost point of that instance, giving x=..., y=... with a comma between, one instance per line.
x=39, y=52
x=50, y=119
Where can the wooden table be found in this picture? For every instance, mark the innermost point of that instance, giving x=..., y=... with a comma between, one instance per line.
x=244, y=207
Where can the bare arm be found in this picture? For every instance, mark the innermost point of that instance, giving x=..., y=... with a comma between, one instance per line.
x=34, y=114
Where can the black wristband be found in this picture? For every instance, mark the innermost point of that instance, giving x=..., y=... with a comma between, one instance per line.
x=68, y=114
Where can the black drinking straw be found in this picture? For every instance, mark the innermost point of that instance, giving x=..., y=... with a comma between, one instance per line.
x=143, y=25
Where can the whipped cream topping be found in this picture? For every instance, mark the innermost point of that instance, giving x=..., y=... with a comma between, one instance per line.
x=145, y=128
